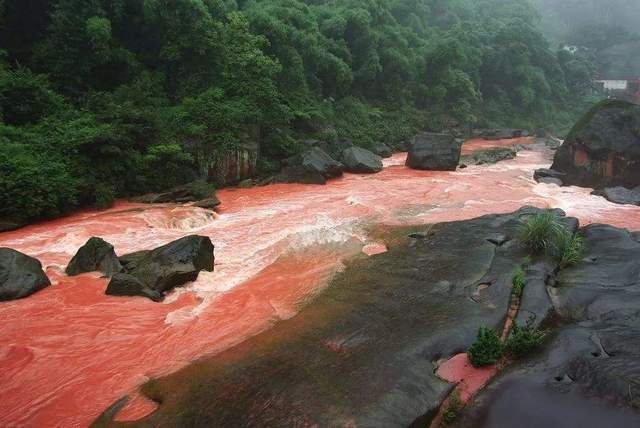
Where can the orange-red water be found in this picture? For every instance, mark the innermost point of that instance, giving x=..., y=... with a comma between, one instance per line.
x=69, y=351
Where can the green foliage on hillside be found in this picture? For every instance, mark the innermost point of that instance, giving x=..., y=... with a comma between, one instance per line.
x=113, y=98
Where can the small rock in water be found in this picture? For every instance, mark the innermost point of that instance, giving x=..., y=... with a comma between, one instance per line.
x=373, y=249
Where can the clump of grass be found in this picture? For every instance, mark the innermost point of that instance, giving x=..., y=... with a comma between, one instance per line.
x=545, y=233
x=570, y=249
x=453, y=409
x=487, y=349
x=539, y=232
x=523, y=339
x=518, y=282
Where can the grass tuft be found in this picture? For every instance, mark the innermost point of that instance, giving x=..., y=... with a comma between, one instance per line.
x=487, y=349
x=523, y=339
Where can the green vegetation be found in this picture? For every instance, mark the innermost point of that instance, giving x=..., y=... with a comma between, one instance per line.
x=539, y=232
x=570, y=249
x=453, y=409
x=546, y=233
x=518, y=282
x=487, y=349
x=523, y=339
x=103, y=99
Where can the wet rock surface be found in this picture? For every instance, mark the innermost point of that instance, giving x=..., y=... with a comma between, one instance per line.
x=20, y=275
x=97, y=255
x=381, y=149
x=358, y=160
x=603, y=148
x=149, y=273
x=314, y=166
x=549, y=176
x=362, y=352
x=489, y=156
x=191, y=192
x=434, y=152
x=620, y=195
x=588, y=374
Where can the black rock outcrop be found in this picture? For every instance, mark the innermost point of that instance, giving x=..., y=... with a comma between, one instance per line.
x=20, y=275
x=96, y=255
x=603, y=148
x=359, y=160
x=435, y=152
x=314, y=166
x=154, y=272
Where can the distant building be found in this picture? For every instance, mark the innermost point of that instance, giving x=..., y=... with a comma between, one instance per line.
x=614, y=85
x=625, y=89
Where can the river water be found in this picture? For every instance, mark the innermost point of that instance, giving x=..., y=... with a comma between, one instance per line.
x=69, y=351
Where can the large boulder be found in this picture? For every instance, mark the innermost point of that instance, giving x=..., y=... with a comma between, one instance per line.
x=381, y=149
x=620, y=195
x=97, y=255
x=191, y=192
x=124, y=284
x=163, y=268
x=359, y=160
x=436, y=152
x=314, y=166
x=20, y=275
x=603, y=148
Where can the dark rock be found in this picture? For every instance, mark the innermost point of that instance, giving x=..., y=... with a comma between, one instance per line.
x=543, y=174
x=603, y=148
x=209, y=203
x=535, y=301
x=131, y=260
x=20, y=275
x=337, y=148
x=620, y=195
x=359, y=160
x=605, y=285
x=123, y=284
x=381, y=150
x=96, y=255
x=191, y=192
x=166, y=267
x=498, y=239
x=311, y=167
x=362, y=352
x=489, y=156
x=402, y=146
x=437, y=152
x=573, y=383
x=500, y=134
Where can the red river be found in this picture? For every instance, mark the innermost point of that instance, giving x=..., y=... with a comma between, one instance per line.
x=69, y=351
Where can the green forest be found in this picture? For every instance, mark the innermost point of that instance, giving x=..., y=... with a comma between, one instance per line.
x=106, y=99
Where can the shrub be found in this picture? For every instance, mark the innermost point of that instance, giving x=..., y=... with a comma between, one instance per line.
x=487, y=349
x=523, y=340
x=570, y=249
x=518, y=282
x=540, y=232
x=452, y=411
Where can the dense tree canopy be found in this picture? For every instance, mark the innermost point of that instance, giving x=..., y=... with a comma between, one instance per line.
x=100, y=99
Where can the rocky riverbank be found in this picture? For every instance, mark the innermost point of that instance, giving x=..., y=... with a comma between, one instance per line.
x=364, y=352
